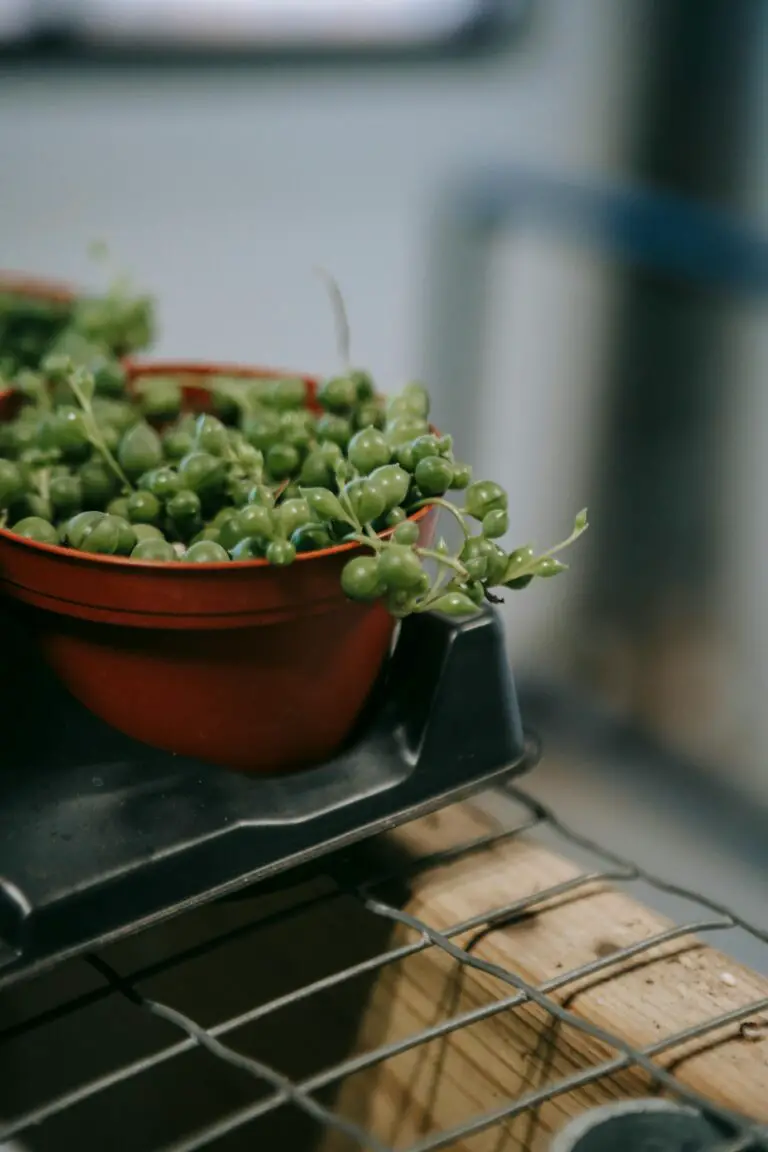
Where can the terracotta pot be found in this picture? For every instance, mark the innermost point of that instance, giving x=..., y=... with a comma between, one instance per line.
x=244, y=665
x=36, y=287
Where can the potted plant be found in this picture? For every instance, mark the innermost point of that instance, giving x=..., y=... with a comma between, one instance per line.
x=39, y=317
x=217, y=556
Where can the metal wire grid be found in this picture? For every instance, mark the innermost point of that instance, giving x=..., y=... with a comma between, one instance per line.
x=740, y=1134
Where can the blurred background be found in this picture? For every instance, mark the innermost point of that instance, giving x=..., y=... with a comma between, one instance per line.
x=552, y=211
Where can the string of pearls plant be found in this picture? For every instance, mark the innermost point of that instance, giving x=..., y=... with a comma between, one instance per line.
x=94, y=464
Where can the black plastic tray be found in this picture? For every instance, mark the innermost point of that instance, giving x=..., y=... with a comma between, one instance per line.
x=100, y=835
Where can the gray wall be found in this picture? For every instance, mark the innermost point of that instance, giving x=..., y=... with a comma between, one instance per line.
x=222, y=191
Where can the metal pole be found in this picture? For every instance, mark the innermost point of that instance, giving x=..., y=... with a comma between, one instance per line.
x=656, y=517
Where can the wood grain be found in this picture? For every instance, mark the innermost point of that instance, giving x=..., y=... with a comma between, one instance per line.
x=474, y=1069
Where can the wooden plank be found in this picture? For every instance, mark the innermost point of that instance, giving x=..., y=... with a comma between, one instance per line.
x=426, y=1090
x=475, y=1069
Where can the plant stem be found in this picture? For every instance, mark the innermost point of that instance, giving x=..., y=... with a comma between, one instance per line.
x=95, y=436
x=346, y=505
x=565, y=543
x=434, y=593
x=340, y=317
x=100, y=446
x=439, y=502
x=448, y=561
x=369, y=541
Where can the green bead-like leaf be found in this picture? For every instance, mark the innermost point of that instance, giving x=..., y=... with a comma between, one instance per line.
x=361, y=579
x=83, y=384
x=57, y=366
x=495, y=524
x=518, y=584
x=548, y=566
x=365, y=500
x=455, y=604
x=519, y=564
x=31, y=385
x=325, y=505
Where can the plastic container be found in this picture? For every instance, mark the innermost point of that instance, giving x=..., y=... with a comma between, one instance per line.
x=650, y=1125
x=244, y=665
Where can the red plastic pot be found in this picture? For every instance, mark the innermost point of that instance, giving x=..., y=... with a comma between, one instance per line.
x=244, y=665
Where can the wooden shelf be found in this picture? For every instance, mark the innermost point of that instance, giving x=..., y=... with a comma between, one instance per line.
x=472, y=1070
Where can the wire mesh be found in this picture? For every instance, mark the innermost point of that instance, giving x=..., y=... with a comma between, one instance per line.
x=311, y=1094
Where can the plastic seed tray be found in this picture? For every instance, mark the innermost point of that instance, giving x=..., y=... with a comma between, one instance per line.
x=100, y=835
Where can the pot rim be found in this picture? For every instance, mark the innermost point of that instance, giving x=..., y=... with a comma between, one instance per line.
x=152, y=367
x=37, y=287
